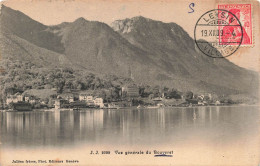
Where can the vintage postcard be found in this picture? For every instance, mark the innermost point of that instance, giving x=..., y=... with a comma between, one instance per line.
x=129, y=82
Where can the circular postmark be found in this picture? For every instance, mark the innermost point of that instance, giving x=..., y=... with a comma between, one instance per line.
x=218, y=33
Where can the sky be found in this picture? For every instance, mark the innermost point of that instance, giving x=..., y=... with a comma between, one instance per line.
x=51, y=12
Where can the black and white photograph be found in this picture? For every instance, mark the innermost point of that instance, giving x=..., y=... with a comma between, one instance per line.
x=129, y=82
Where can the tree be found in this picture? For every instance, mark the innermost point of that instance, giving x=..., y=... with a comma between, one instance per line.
x=188, y=95
x=156, y=91
x=141, y=91
x=173, y=94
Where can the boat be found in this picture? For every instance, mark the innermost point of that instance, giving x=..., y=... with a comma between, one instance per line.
x=21, y=106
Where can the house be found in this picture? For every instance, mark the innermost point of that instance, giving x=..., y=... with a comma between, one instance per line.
x=217, y=102
x=19, y=96
x=57, y=104
x=85, y=97
x=99, y=102
x=204, y=96
x=32, y=101
x=27, y=98
x=70, y=98
x=130, y=91
x=43, y=102
x=82, y=97
x=11, y=99
x=90, y=103
x=60, y=103
x=200, y=103
x=89, y=98
x=14, y=98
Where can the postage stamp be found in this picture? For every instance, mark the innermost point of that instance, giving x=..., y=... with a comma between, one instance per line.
x=244, y=14
x=218, y=33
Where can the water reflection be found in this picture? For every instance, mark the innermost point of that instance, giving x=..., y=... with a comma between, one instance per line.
x=151, y=126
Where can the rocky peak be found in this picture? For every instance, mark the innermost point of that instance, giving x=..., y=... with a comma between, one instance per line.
x=127, y=25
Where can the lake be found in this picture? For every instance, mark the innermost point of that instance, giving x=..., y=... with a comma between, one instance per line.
x=204, y=132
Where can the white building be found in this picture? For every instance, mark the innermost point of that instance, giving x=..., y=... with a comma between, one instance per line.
x=82, y=97
x=26, y=98
x=71, y=99
x=99, y=102
x=32, y=101
x=14, y=98
x=19, y=97
x=89, y=98
x=85, y=97
x=217, y=102
x=11, y=99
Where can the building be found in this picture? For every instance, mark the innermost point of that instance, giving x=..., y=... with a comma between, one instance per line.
x=32, y=100
x=85, y=97
x=70, y=98
x=99, y=102
x=204, y=95
x=89, y=98
x=27, y=99
x=217, y=102
x=90, y=103
x=11, y=99
x=57, y=104
x=14, y=98
x=200, y=103
x=130, y=91
x=60, y=103
x=82, y=97
x=19, y=97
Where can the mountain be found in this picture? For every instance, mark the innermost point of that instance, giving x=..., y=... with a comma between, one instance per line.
x=17, y=23
x=151, y=52
x=97, y=47
x=175, y=51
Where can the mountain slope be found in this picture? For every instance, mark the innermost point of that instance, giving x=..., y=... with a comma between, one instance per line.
x=26, y=28
x=95, y=46
x=17, y=49
x=175, y=51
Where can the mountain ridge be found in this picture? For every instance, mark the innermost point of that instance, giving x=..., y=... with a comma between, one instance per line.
x=151, y=51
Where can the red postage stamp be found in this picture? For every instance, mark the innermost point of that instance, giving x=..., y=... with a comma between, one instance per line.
x=243, y=14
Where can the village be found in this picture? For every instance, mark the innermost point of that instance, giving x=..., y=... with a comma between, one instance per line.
x=129, y=97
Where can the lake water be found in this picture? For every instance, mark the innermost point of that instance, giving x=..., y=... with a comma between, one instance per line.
x=215, y=130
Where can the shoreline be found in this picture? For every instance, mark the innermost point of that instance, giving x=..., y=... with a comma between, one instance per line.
x=121, y=108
